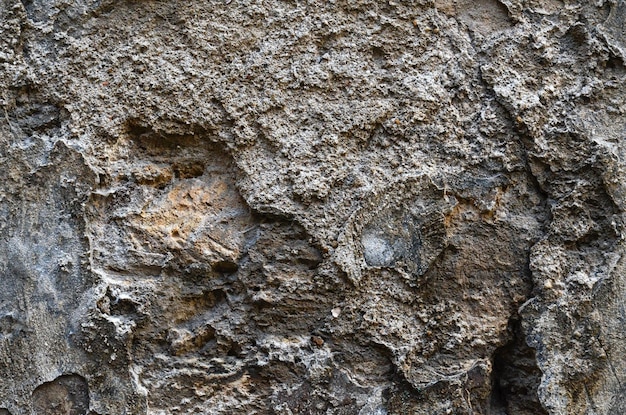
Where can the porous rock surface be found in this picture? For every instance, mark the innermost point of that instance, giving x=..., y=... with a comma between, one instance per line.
x=315, y=207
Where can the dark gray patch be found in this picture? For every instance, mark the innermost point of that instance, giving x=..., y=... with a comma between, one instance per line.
x=36, y=10
x=34, y=114
x=11, y=325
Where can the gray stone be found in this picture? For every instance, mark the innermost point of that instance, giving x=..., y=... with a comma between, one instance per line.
x=312, y=208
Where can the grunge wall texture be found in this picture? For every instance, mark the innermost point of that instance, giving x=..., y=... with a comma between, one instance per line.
x=312, y=207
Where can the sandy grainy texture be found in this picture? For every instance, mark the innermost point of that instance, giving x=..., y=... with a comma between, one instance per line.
x=320, y=207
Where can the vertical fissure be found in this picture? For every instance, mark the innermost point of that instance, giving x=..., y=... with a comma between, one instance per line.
x=516, y=376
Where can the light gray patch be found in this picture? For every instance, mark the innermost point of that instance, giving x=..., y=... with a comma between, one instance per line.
x=377, y=250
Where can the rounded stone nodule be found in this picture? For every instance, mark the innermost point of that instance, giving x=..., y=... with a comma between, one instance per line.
x=65, y=395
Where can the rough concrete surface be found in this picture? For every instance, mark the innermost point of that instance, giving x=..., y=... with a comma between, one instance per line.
x=312, y=207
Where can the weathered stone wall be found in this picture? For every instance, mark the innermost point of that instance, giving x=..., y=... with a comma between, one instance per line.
x=320, y=207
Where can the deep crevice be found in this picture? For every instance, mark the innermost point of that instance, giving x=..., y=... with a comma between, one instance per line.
x=515, y=376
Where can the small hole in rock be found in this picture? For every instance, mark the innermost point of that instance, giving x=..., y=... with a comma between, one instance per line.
x=189, y=170
x=225, y=267
x=235, y=350
x=614, y=63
